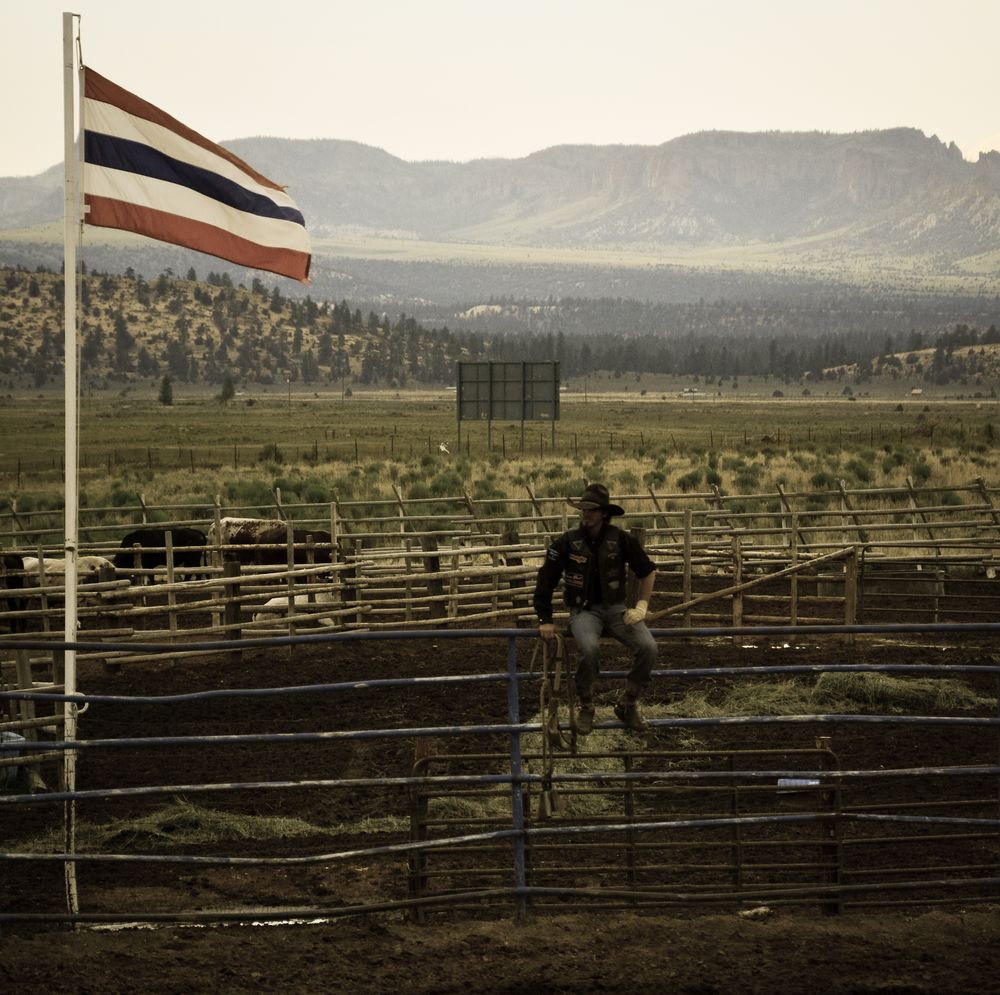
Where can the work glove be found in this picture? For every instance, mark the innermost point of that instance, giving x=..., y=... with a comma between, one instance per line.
x=637, y=614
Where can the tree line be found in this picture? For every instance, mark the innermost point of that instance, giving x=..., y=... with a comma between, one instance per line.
x=213, y=331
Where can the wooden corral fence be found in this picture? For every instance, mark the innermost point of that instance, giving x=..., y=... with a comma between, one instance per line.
x=847, y=556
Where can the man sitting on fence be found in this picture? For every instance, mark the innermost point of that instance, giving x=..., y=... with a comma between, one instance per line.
x=591, y=560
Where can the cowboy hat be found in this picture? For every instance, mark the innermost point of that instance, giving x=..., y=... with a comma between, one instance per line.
x=596, y=496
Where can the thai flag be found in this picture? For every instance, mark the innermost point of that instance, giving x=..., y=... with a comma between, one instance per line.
x=146, y=172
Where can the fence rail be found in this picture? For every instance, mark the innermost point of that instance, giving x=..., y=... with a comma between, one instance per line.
x=545, y=827
x=392, y=565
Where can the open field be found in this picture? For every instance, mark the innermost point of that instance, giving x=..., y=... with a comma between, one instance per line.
x=317, y=442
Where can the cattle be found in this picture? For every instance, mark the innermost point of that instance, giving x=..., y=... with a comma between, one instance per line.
x=12, y=582
x=52, y=571
x=88, y=569
x=152, y=551
x=276, y=608
x=254, y=535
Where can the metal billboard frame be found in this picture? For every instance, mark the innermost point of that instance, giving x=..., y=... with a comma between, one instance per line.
x=507, y=391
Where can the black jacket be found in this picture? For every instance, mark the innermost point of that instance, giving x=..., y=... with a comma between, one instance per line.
x=571, y=558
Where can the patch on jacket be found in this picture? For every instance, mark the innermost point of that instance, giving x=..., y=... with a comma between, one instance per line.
x=577, y=558
x=573, y=580
x=577, y=544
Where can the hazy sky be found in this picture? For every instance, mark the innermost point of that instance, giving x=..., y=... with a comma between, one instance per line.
x=466, y=79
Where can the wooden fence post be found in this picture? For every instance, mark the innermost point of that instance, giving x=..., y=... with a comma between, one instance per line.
x=632, y=585
x=231, y=606
x=737, y=580
x=719, y=501
x=408, y=583
x=432, y=565
x=168, y=544
x=847, y=506
x=851, y=578
x=277, y=504
x=793, y=609
x=290, y=563
x=217, y=554
x=404, y=517
x=537, y=510
x=358, y=546
x=22, y=666
x=453, y=583
x=688, y=572
x=351, y=576
x=517, y=585
x=799, y=537
x=915, y=508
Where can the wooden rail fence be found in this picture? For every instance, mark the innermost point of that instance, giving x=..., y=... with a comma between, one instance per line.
x=783, y=558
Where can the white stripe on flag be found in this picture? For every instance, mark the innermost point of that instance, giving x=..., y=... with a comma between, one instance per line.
x=110, y=120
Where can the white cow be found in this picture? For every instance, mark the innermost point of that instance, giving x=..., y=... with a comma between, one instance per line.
x=53, y=573
x=277, y=608
x=88, y=568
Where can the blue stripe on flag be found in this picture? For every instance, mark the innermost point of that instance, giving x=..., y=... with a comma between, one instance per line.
x=134, y=157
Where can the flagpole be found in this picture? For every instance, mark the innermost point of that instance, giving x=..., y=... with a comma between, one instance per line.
x=71, y=229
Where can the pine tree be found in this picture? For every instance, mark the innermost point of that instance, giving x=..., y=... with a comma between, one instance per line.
x=228, y=391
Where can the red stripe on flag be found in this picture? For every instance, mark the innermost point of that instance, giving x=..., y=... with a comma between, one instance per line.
x=107, y=213
x=97, y=87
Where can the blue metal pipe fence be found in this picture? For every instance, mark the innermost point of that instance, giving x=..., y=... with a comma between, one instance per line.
x=520, y=834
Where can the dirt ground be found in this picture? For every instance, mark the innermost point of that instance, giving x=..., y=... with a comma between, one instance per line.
x=937, y=953
x=920, y=948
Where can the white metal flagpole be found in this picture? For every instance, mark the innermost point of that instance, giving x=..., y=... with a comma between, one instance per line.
x=71, y=233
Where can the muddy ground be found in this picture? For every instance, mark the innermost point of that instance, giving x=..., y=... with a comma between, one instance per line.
x=937, y=952
x=913, y=945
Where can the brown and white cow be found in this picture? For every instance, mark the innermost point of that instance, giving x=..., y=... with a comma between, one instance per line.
x=264, y=541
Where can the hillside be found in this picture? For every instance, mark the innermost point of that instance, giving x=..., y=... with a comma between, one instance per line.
x=132, y=329
x=209, y=331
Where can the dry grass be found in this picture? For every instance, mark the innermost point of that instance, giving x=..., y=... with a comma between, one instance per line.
x=182, y=823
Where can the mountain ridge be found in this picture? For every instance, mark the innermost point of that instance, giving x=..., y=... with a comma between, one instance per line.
x=894, y=192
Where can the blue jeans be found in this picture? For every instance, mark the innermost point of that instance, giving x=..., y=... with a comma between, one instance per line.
x=587, y=626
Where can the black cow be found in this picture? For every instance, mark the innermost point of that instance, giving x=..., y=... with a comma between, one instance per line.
x=152, y=553
x=255, y=534
x=11, y=582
